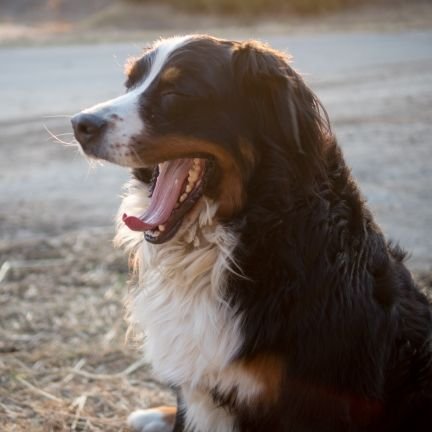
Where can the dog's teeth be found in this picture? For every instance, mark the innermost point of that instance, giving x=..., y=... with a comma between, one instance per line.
x=188, y=188
x=195, y=169
x=183, y=197
x=161, y=228
x=154, y=233
x=193, y=176
x=196, y=166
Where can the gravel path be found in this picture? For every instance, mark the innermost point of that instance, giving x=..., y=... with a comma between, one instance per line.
x=377, y=89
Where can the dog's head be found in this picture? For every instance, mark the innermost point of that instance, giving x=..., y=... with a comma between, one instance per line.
x=198, y=117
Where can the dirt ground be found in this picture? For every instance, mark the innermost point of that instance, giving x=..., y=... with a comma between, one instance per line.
x=64, y=361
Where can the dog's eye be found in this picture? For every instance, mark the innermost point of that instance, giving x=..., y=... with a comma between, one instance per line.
x=175, y=94
x=173, y=100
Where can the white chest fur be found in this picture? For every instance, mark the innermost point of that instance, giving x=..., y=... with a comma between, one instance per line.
x=191, y=333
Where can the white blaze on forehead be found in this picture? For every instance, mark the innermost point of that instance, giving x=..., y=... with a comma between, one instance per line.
x=163, y=50
x=126, y=107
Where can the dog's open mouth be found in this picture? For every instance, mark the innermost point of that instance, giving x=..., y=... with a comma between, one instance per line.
x=176, y=187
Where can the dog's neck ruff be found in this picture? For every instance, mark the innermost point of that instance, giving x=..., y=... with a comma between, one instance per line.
x=191, y=333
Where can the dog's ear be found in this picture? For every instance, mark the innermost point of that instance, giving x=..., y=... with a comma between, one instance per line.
x=257, y=64
x=284, y=111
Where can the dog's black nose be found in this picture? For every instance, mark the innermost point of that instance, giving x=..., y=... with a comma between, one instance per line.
x=87, y=127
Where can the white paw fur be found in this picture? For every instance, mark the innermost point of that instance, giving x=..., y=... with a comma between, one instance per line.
x=149, y=420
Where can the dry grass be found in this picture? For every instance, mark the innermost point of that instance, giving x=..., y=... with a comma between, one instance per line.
x=64, y=363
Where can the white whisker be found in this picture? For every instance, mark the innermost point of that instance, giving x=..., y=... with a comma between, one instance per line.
x=56, y=138
x=90, y=167
x=65, y=133
x=58, y=116
x=137, y=156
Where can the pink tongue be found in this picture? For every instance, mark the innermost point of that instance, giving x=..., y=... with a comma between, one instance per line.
x=169, y=183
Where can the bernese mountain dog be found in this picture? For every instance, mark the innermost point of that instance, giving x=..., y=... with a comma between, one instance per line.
x=268, y=296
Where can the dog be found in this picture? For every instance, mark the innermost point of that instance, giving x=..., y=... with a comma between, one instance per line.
x=269, y=298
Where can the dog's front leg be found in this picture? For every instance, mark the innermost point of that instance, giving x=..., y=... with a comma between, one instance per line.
x=160, y=419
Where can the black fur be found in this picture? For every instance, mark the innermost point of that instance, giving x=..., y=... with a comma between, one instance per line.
x=322, y=290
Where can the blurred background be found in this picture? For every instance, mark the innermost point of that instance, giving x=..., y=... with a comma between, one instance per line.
x=64, y=361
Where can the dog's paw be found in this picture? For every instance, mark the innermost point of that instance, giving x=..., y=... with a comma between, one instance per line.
x=161, y=419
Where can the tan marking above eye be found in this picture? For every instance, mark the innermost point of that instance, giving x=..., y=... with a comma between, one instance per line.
x=171, y=74
x=248, y=153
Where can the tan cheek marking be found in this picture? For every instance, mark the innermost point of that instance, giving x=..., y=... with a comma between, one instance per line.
x=231, y=193
x=248, y=153
x=232, y=197
x=171, y=74
x=267, y=369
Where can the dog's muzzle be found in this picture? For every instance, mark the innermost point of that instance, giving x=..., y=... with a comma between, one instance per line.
x=87, y=128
